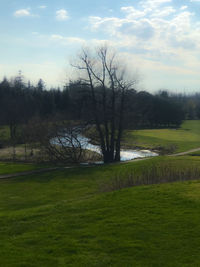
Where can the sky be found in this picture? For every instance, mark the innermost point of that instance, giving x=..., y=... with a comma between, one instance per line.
x=158, y=40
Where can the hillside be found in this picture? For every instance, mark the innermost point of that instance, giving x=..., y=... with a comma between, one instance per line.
x=63, y=218
x=182, y=139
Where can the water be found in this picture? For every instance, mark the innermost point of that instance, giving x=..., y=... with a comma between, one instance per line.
x=126, y=154
x=134, y=154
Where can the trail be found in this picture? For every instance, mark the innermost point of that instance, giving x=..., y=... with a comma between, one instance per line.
x=13, y=175
x=185, y=153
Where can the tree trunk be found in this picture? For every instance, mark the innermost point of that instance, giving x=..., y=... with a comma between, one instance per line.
x=120, y=127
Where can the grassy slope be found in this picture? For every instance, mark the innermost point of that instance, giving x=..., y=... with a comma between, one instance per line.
x=185, y=138
x=62, y=219
x=9, y=167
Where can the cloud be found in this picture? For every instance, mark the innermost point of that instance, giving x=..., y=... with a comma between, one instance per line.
x=22, y=13
x=183, y=7
x=150, y=5
x=164, y=27
x=42, y=7
x=156, y=32
x=62, y=15
x=70, y=40
x=164, y=12
x=132, y=12
x=67, y=40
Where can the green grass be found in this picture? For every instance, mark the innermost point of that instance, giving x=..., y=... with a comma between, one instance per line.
x=185, y=138
x=10, y=167
x=62, y=219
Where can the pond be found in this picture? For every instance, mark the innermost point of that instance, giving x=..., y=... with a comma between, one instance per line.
x=126, y=154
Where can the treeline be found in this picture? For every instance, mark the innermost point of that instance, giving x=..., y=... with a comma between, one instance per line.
x=19, y=102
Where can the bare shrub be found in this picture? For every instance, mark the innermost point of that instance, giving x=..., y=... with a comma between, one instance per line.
x=58, y=140
x=169, y=149
x=63, y=143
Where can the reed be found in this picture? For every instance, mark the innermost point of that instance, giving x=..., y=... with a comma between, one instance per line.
x=155, y=174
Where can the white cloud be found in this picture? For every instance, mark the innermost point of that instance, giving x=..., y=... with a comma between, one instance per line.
x=164, y=12
x=22, y=13
x=157, y=33
x=42, y=7
x=67, y=40
x=164, y=27
x=62, y=14
x=107, y=24
x=183, y=7
x=150, y=5
x=133, y=13
x=70, y=40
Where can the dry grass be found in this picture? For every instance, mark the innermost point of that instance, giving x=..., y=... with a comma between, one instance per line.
x=38, y=155
x=31, y=155
x=156, y=174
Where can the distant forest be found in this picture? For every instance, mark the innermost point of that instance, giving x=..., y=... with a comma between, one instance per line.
x=19, y=102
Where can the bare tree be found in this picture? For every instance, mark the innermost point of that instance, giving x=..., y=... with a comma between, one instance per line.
x=59, y=140
x=106, y=79
x=67, y=145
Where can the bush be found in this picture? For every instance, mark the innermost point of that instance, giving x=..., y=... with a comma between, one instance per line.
x=165, y=150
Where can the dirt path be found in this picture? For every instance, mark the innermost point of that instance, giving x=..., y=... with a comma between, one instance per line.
x=185, y=153
x=12, y=175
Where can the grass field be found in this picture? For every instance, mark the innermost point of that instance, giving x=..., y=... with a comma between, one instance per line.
x=10, y=167
x=67, y=218
x=63, y=219
x=185, y=138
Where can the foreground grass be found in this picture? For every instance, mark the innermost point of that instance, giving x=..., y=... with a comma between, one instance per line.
x=183, y=139
x=62, y=219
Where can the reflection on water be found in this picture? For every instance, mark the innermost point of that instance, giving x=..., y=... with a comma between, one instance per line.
x=126, y=154
x=134, y=154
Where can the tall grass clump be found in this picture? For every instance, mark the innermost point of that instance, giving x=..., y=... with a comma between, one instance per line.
x=155, y=174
